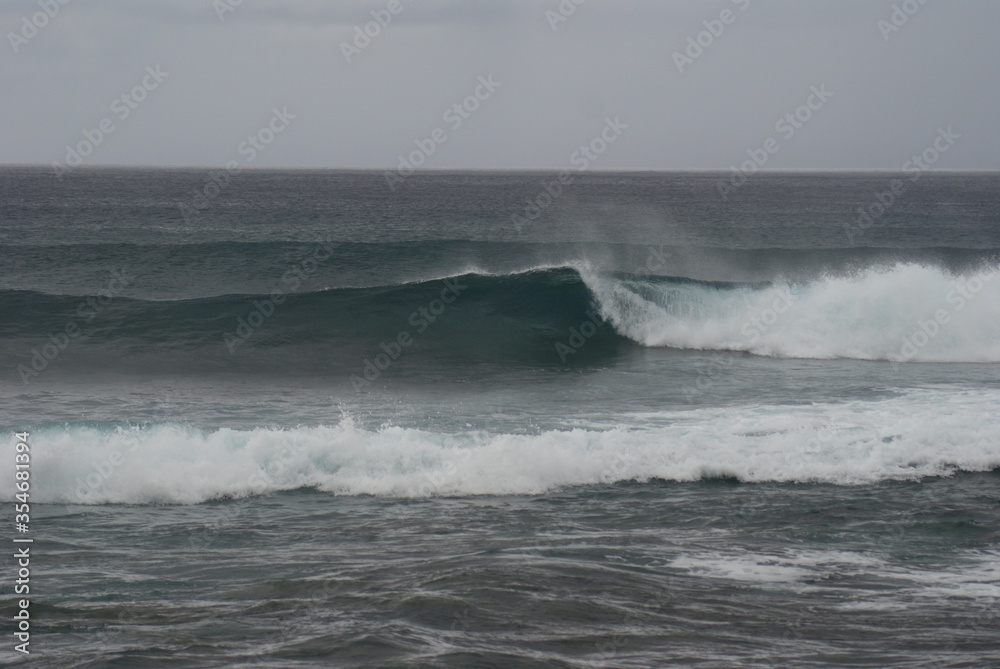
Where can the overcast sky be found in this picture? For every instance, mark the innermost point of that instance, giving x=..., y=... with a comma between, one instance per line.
x=223, y=73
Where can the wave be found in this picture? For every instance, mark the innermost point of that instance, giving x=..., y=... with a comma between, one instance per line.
x=503, y=317
x=923, y=433
x=900, y=312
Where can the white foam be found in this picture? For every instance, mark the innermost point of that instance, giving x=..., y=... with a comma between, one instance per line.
x=901, y=313
x=978, y=579
x=775, y=568
x=755, y=569
x=922, y=433
x=973, y=578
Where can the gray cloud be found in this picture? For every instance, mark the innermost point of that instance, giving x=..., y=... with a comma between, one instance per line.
x=557, y=88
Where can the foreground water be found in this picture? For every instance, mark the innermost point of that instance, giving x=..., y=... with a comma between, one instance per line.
x=660, y=574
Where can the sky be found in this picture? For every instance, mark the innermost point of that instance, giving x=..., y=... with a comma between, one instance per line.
x=540, y=84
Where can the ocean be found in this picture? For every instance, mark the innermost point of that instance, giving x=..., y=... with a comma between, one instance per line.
x=502, y=419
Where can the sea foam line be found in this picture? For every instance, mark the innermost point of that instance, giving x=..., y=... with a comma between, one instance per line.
x=922, y=433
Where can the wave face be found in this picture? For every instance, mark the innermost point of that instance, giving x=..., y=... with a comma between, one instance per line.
x=919, y=434
x=507, y=318
x=899, y=313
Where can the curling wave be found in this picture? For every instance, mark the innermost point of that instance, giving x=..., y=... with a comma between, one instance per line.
x=901, y=312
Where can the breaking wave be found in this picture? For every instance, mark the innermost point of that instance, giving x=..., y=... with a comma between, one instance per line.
x=919, y=434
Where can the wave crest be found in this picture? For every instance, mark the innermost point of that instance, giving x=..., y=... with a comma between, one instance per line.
x=901, y=313
x=898, y=313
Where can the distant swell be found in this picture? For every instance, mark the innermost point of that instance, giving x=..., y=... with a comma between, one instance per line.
x=919, y=434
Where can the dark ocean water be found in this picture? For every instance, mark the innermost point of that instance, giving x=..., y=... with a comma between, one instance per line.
x=293, y=419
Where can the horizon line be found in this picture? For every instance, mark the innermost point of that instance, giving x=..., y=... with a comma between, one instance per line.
x=432, y=170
